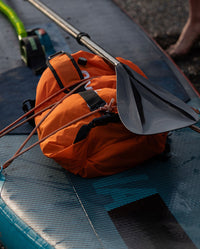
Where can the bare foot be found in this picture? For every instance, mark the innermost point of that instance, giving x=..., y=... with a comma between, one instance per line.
x=189, y=34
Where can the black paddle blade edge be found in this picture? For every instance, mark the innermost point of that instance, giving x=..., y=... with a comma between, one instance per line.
x=147, y=109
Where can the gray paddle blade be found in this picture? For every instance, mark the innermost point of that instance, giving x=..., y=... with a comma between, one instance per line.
x=148, y=109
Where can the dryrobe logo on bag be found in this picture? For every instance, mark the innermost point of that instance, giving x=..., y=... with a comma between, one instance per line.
x=86, y=75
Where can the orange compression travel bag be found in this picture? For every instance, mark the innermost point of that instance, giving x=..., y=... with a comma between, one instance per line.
x=95, y=145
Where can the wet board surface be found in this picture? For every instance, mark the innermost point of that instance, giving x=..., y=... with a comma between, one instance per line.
x=155, y=205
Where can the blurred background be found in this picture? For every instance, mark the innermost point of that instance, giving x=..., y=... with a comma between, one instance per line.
x=163, y=20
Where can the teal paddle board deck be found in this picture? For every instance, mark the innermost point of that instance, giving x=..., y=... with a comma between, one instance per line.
x=154, y=205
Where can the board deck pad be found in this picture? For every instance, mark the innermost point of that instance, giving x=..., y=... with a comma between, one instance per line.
x=154, y=205
x=159, y=194
x=150, y=216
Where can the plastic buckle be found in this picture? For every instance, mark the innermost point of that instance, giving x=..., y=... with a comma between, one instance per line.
x=27, y=105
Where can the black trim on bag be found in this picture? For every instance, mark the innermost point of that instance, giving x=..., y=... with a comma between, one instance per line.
x=92, y=99
x=76, y=66
x=103, y=120
x=55, y=75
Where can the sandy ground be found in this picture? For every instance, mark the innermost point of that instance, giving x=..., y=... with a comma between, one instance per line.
x=163, y=20
x=158, y=17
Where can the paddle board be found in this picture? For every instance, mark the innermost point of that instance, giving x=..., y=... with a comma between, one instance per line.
x=155, y=205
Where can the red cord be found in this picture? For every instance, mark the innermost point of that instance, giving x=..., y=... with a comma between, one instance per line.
x=18, y=153
x=52, y=106
x=26, y=120
x=14, y=125
x=195, y=128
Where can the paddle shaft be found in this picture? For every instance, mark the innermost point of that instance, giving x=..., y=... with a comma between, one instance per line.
x=143, y=107
x=83, y=38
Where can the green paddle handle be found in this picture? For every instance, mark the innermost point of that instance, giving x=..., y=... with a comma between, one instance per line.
x=14, y=19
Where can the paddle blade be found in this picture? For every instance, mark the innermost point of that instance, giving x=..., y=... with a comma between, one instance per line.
x=148, y=109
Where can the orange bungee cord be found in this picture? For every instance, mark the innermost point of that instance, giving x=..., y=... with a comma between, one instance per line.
x=14, y=125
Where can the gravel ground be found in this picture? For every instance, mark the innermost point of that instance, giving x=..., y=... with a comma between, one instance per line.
x=164, y=20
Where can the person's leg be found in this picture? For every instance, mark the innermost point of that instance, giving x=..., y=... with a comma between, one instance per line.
x=190, y=32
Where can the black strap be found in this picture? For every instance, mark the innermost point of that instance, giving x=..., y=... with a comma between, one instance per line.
x=92, y=99
x=103, y=120
x=76, y=66
x=55, y=74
